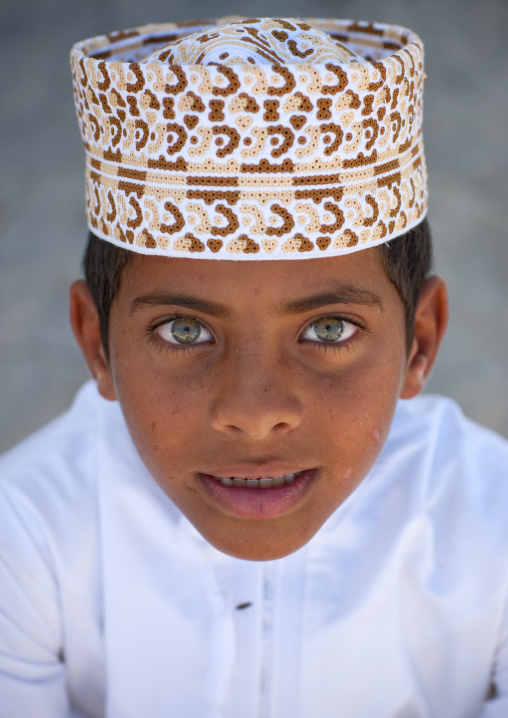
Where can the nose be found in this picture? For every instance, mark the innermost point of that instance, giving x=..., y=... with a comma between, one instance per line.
x=254, y=399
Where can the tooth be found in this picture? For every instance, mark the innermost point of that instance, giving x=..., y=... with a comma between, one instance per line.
x=265, y=483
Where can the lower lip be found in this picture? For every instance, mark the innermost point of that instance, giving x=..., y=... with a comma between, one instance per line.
x=258, y=503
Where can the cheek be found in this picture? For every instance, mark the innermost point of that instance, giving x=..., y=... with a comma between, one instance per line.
x=354, y=409
x=164, y=412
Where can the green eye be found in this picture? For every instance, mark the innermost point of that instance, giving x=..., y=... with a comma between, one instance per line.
x=330, y=330
x=184, y=331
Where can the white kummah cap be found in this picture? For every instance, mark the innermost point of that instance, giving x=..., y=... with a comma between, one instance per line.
x=252, y=139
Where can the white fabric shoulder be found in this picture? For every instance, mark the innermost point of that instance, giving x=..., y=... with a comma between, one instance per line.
x=460, y=499
x=48, y=528
x=455, y=472
x=456, y=453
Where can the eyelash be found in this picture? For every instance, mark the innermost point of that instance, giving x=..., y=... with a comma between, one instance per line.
x=162, y=345
x=334, y=346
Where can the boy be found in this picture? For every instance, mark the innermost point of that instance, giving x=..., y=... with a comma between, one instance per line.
x=238, y=518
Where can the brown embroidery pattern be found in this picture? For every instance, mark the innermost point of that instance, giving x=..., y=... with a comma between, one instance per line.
x=311, y=144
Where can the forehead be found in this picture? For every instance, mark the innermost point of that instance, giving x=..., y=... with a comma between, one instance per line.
x=354, y=278
x=360, y=266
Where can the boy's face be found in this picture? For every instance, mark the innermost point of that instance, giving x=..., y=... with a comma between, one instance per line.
x=258, y=370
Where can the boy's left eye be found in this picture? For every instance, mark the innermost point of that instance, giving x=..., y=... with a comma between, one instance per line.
x=184, y=331
x=329, y=330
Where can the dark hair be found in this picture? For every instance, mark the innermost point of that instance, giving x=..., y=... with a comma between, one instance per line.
x=103, y=265
x=407, y=261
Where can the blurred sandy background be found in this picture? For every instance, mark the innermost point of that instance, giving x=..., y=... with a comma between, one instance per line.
x=42, y=224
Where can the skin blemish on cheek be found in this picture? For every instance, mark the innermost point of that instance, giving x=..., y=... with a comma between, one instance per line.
x=153, y=426
x=348, y=474
x=375, y=433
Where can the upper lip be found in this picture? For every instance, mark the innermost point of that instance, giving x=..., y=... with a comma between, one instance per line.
x=250, y=471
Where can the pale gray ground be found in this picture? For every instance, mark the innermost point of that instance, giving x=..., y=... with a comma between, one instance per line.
x=42, y=225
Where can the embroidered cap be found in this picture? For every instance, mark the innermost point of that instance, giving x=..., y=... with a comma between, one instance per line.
x=252, y=139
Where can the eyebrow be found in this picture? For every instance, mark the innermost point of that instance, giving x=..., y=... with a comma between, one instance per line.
x=343, y=294
x=160, y=298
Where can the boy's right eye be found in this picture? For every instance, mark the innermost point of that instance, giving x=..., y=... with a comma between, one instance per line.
x=184, y=330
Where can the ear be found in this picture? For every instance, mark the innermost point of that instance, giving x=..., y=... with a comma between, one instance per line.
x=86, y=328
x=431, y=319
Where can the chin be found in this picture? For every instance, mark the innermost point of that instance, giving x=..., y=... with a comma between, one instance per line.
x=259, y=541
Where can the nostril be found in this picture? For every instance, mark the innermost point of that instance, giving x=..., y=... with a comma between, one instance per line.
x=282, y=426
x=255, y=416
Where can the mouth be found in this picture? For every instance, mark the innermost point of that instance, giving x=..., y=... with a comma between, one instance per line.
x=264, y=496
